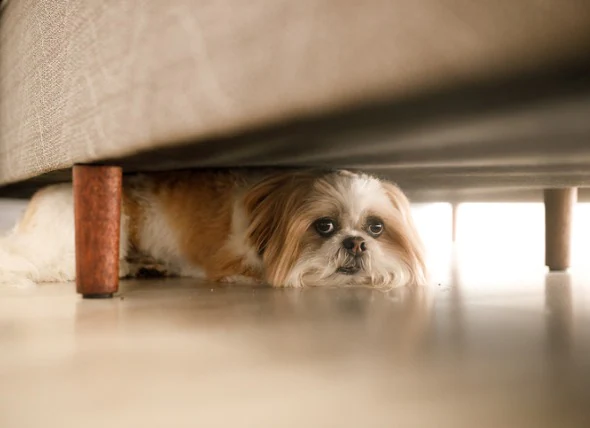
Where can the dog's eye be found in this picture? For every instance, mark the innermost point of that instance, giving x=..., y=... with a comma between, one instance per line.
x=375, y=227
x=325, y=226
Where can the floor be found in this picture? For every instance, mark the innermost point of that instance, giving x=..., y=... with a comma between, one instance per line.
x=495, y=342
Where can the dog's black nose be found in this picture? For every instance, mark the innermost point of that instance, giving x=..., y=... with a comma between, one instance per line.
x=355, y=245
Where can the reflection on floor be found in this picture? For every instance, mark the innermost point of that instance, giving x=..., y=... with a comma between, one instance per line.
x=495, y=342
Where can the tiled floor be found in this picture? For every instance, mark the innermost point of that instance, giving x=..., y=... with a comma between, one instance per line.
x=493, y=344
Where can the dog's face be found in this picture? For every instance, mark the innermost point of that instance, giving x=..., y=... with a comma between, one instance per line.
x=339, y=228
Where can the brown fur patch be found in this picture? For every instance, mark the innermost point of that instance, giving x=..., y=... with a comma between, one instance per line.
x=133, y=210
x=277, y=222
x=199, y=207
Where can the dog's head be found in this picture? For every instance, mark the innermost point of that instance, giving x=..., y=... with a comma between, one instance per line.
x=334, y=228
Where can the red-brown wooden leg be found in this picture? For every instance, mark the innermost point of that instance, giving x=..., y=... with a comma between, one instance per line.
x=97, y=209
x=559, y=206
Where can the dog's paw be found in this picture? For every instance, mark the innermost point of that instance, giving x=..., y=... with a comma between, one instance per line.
x=144, y=269
x=151, y=272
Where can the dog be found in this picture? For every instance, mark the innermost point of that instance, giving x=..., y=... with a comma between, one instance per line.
x=283, y=228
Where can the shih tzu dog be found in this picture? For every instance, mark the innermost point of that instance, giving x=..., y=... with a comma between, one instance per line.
x=287, y=229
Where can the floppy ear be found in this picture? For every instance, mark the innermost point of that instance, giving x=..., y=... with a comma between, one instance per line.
x=407, y=236
x=276, y=224
x=399, y=200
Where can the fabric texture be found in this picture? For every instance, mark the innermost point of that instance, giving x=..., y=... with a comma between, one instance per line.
x=86, y=80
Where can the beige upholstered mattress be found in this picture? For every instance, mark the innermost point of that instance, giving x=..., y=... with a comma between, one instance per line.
x=87, y=80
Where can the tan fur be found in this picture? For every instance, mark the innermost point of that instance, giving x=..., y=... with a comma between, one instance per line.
x=403, y=236
x=198, y=207
x=271, y=205
x=132, y=209
x=29, y=217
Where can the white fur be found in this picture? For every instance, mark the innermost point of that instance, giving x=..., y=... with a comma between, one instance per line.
x=43, y=248
x=358, y=195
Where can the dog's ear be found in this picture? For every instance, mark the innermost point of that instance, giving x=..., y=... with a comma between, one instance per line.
x=406, y=233
x=276, y=224
x=399, y=200
x=264, y=204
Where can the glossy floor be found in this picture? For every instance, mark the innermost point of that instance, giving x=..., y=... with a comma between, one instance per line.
x=181, y=353
x=496, y=342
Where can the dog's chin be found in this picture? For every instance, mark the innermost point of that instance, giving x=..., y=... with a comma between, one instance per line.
x=349, y=276
x=342, y=276
x=320, y=271
x=357, y=269
x=349, y=270
x=346, y=276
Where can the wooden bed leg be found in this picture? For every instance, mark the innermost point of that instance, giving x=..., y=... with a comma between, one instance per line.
x=97, y=210
x=559, y=206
